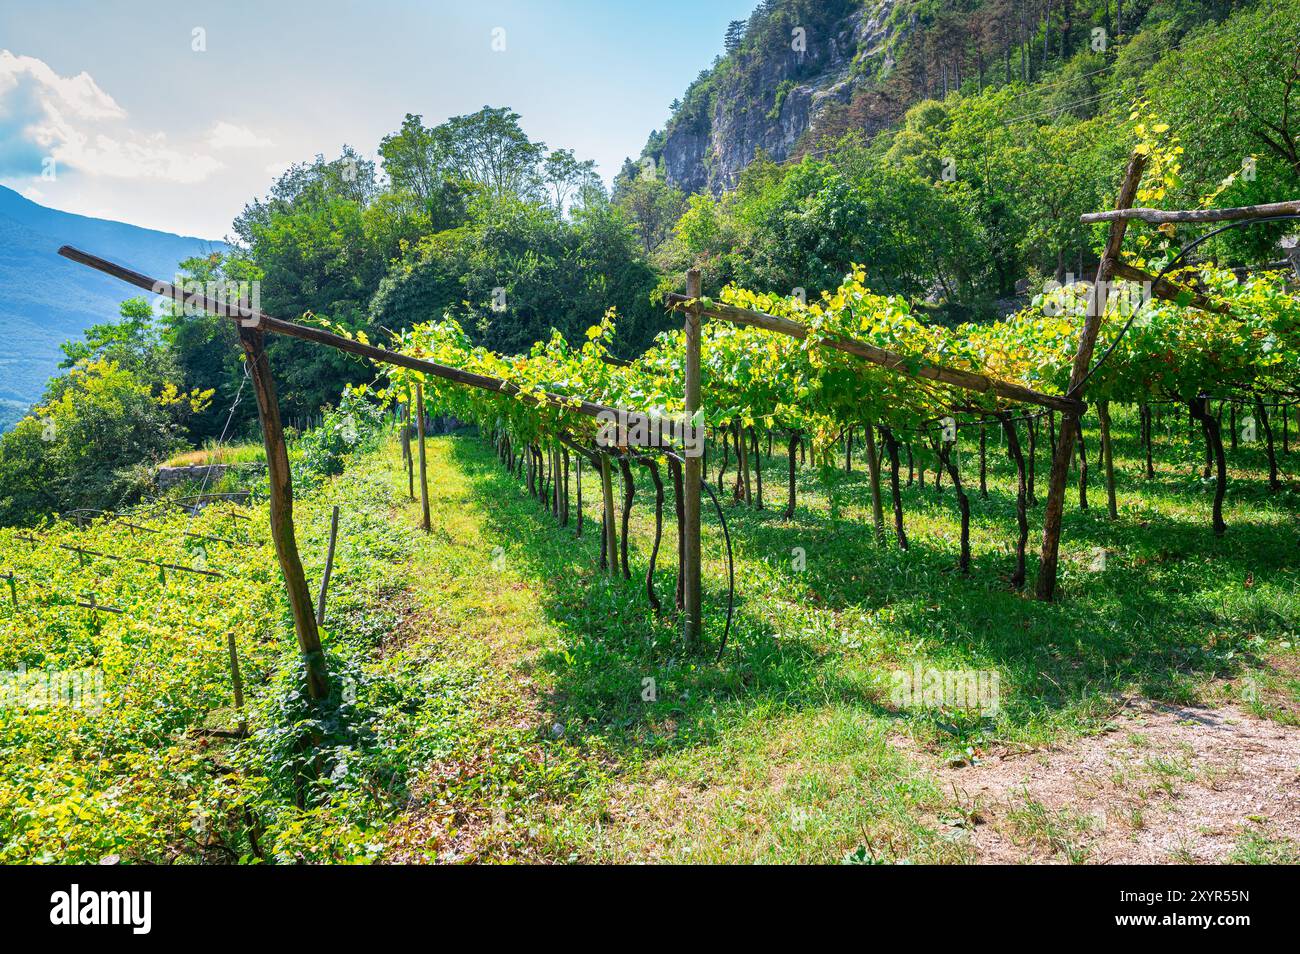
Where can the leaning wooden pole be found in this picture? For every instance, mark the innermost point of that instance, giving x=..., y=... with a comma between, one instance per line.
x=282, y=533
x=692, y=611
x=1045, y=588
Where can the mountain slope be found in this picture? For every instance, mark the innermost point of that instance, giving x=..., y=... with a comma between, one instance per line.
x=800, y=73
x=45, y=299
x=799, y=62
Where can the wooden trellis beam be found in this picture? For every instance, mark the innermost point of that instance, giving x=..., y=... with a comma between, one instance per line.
x=1162, y=217
x=1164, y=288
x=912, y=367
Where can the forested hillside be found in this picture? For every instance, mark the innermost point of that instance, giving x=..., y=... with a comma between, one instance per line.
x=951, y=146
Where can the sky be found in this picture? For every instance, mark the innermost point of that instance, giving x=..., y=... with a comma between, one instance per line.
x=173, y=114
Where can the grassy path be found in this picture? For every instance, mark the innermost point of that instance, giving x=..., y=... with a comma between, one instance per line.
x=574, y=728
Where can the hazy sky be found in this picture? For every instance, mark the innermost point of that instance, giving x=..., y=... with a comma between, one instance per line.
x=108, y=109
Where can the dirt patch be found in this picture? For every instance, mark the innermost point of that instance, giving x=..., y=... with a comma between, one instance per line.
x=1163, y=784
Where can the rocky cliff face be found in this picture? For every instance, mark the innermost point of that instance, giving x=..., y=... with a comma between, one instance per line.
x=769, y=97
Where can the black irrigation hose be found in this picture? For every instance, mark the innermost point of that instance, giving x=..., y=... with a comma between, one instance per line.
x=731, y=569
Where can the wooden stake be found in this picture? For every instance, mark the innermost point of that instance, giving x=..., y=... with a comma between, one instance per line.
x=265, y=323
x=282, y=531
x=237, y=681
x=912, y=367
x=1161, y=217
x=693, y=598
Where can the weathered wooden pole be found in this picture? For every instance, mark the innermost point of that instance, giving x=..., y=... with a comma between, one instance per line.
x=692, y=595
x=282, y=534
x=236, y=681
x=1045, y=588
x=424, y=472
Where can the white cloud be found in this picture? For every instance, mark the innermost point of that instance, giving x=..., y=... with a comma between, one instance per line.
x=224, y=135
x=83, y=129
x=77, y=95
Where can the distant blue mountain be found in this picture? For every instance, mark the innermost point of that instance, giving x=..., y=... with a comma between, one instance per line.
x=46, y=300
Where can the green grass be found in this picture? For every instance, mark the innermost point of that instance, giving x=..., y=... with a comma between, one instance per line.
x=504, y=699
x=1258, y=848
x=218, y=454
x=784, y=750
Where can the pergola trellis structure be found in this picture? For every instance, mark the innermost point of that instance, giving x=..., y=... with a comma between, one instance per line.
x=253, y=326
x=1071, y=404
x=1110, y=266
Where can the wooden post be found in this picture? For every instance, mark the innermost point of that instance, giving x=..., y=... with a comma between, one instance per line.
x=957, y=377
x=282, y=532
x=329, y=567
x=237, y=681
x=692, y=595
x=1064, y=450
x=424, y=473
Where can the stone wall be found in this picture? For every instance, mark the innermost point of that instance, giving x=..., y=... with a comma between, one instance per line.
x=171, y=476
